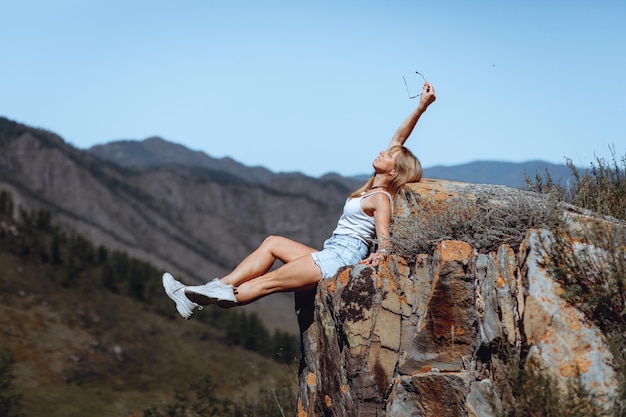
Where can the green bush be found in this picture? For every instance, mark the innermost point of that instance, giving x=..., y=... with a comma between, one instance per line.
x=601, y=188
x=201, y=401
x=539, y=395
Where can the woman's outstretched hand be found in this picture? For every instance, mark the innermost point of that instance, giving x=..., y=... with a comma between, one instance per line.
x=428, y=95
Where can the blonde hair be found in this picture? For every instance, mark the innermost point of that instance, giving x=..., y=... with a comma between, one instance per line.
x=408, y=169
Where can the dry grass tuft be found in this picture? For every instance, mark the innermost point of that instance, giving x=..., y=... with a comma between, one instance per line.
x=485, y=218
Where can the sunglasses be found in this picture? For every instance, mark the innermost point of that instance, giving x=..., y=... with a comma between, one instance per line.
x=407, y=86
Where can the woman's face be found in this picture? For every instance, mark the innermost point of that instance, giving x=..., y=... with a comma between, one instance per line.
x=385, y=162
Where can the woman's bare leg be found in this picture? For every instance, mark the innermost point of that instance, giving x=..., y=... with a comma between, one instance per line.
x=261, y=260
x=296, y=275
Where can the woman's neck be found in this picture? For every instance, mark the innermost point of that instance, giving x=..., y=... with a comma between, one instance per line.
x=378, y=182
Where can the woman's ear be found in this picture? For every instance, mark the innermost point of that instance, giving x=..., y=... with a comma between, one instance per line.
x=393, y=173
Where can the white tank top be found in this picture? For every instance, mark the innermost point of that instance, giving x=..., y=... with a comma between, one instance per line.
x=355, y=222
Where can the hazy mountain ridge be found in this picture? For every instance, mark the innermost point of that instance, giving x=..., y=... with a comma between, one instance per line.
x=511, y=174
x=155, y=152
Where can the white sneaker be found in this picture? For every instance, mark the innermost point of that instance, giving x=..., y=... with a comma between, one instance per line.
x=173, y=289
x=214, y=292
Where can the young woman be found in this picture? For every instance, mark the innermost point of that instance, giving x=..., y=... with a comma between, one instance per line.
x=365, y=219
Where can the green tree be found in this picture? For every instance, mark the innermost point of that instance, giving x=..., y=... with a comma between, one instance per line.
x=285, y=346
x=200, y=402
x=55, y=248
x=6, y=204
x=10, y=401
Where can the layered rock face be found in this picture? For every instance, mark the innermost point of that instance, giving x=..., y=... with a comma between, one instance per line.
x=437, y=335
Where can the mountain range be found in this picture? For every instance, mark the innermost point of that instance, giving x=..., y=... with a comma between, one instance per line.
x=155, y=152
x=187, y=212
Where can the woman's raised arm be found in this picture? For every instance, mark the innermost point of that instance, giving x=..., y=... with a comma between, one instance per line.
x=404, y=131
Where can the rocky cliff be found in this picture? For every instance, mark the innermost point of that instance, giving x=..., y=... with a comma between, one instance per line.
x=441, y=333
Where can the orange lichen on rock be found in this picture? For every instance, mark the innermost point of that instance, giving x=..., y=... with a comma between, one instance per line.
x=456, y=250
x=434, y=188
x=500, y=282
x=393, y=286
x=458, y=331
x=403, y=299
x=344, y=277
x=331, y=285
x=573, y=322
x=583, y=364
x=580, y=366
x=548, y=337
x=301, y=410
x=426, y=368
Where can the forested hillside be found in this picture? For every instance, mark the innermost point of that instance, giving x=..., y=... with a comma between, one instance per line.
x=90, y=332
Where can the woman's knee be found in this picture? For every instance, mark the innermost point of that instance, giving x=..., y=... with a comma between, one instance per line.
x=284, y=248
x=273, y=241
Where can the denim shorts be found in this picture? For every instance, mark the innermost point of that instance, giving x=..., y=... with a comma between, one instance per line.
x=339, y=250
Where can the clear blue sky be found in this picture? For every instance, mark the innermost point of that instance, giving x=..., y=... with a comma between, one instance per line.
x=316, y=86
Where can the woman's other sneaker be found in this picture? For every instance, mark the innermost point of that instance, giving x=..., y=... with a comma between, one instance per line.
x=176, y=291
x=213, y=292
